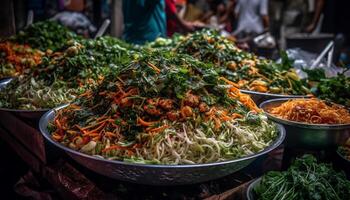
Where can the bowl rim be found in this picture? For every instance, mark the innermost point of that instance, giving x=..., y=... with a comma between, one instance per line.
x=251, y=186
x=273, y=95
x=341, y=155
x=5, y=80
x=43, y=130
x=25, y=111
x=298, y=124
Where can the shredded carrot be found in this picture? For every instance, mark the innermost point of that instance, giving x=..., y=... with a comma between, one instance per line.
x=142, y=122
x=92, y=134
x=236, y=115
x=158, y=129
x=229, y=82
x=76, y=138
x=97, y=129
x=225, y=118
x=110, y=134
x=130, y=153
x=152, y=66
x=56, y=137
x=312, y=111
x=113, y=147
x=88, y=93
x=57, y=122
x=82, y=130
x=97, y=138
x=93, y=125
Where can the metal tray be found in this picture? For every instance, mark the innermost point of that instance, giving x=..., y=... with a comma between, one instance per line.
x=308, y=136
x=157, y=174
x=259, y=97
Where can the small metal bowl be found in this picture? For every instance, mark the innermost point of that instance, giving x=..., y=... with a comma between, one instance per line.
x=32, y=115
x=156, y=174
x=259, y=97
x=308, y=136
x=250, y=190
x=344, y=163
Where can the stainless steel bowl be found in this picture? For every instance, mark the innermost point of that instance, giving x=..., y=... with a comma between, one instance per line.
x=32, y=115
x=308, y=136
x=343, y=163
x=259, y=97
x=342, y=156
x=157, y=174
x=250, y=190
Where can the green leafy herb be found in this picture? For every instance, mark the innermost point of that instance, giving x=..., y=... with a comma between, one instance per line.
x=305, y=179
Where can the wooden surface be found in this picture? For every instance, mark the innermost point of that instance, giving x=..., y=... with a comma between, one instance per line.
x=26, y=134
x=234, y=193
x=21, y=150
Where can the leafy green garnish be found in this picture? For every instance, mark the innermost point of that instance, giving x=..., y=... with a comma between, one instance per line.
x=305, y=179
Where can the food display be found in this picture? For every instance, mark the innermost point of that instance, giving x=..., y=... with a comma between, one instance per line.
x=243, y=68
x=182, y=104
x=311, y=111
x=305, y=179
x=164, y=109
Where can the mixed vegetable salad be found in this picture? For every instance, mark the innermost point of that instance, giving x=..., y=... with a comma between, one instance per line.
x=16, y=59
x=243, y=68
x=164, y=109
x=63, y=75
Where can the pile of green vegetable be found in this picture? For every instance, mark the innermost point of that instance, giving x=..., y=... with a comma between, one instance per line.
x=335, y=89
x=45, y=35
x=246, y=69
x=63, y=75
x=305, y=179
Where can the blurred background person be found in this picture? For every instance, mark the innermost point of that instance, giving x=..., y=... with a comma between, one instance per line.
x=218, y=20
x=144, y=20
x=175, y=24
x=252, y=17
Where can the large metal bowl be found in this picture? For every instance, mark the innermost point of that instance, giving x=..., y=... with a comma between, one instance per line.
x=157, y=174
x=308, y=136
x=259, y=97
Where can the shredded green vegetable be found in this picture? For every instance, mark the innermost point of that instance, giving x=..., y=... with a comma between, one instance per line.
x=305, y=179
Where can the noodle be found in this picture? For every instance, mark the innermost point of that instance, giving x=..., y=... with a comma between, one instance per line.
x=155, y=113
x=311, y=111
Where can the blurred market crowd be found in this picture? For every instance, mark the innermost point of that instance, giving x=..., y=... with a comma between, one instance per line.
x=263, y=26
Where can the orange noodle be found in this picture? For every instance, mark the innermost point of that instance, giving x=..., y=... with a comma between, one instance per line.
x=312, y=111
